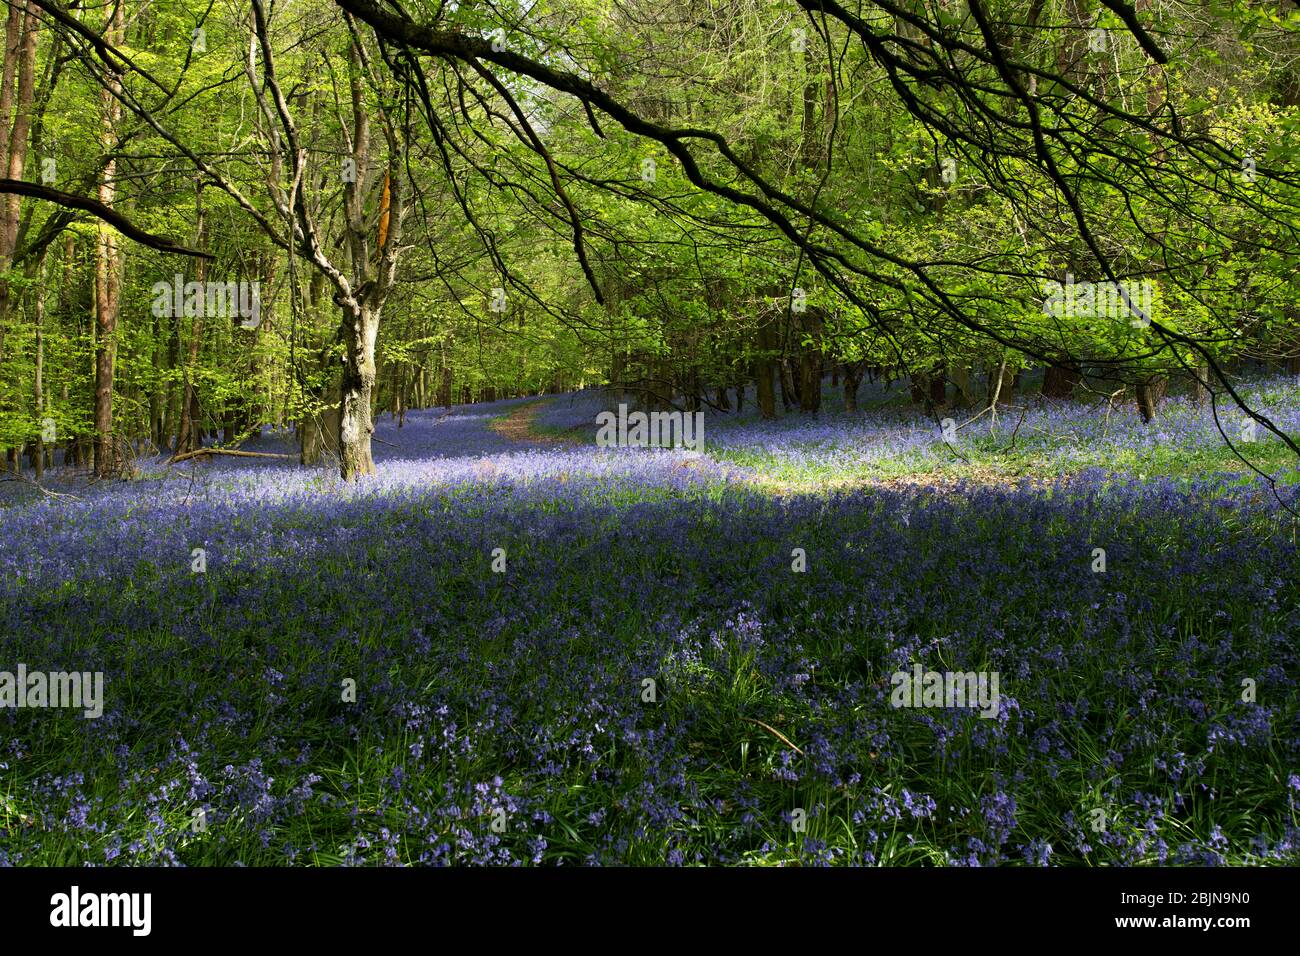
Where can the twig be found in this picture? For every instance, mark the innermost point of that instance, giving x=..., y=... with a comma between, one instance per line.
x=784, y=739
x=1012, y=443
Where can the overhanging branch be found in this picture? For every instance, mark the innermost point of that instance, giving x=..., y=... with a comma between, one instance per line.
x=99, y=211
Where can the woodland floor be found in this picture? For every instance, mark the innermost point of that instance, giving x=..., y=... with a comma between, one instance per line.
x=512, y=646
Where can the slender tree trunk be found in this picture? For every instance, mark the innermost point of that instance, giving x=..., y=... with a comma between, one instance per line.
x=16, y=90
x=938, y=397
x=38, y=392
x=997, y=379
x=919, y=387
x=764, y=369
x=107, y=275
x=158, y=394
x=789, y=388
x=188, y=438
x=852, y=380
x=810, y=364
x=1202, y=385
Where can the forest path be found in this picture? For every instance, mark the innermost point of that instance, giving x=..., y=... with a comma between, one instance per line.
x=518, y=425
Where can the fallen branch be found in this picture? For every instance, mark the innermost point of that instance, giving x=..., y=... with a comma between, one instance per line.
x=176, y=459
x=38, y=486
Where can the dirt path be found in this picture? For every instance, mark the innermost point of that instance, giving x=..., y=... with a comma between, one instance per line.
x=518, y=426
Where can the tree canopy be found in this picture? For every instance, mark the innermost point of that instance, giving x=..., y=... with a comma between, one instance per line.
x=438, y=201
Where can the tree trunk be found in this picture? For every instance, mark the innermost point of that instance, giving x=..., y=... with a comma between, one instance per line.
x=764, y=371
x=618, y=369
x=810, y=362
x=16, y=89
x=444, y=385
x=918, y=386
x=16, y=93
x=310, y=444
x=38, y=392
x=938, y=387
x=789, y=388
x=810, y=382
x=1202, y=385
x=853, y=372
x=188, y=437
x=318, y=431
x=961, y=378
x=355, y=426
x=1059, y=380
x=107, y=275
x=1149, y=395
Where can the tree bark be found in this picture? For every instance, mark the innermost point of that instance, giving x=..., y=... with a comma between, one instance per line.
x=939, y=387
x=853, y=372
x=187, y=439
x=1149, y=395
x=789, y=388
x=355, y=425
x=810, y=364
x=763, y=369
x=16, y=93
x=107, y=274
x=1202, y=385
x=1059, y=380
x=961, y=378
x=38, y=392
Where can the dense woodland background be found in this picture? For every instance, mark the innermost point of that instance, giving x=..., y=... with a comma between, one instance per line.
x=447, y=203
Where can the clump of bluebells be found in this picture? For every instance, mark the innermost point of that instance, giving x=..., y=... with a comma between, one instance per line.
x=515, y=654
x=1026, y=435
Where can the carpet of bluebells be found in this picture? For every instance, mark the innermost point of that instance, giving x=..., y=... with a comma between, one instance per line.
x=1148, y=714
